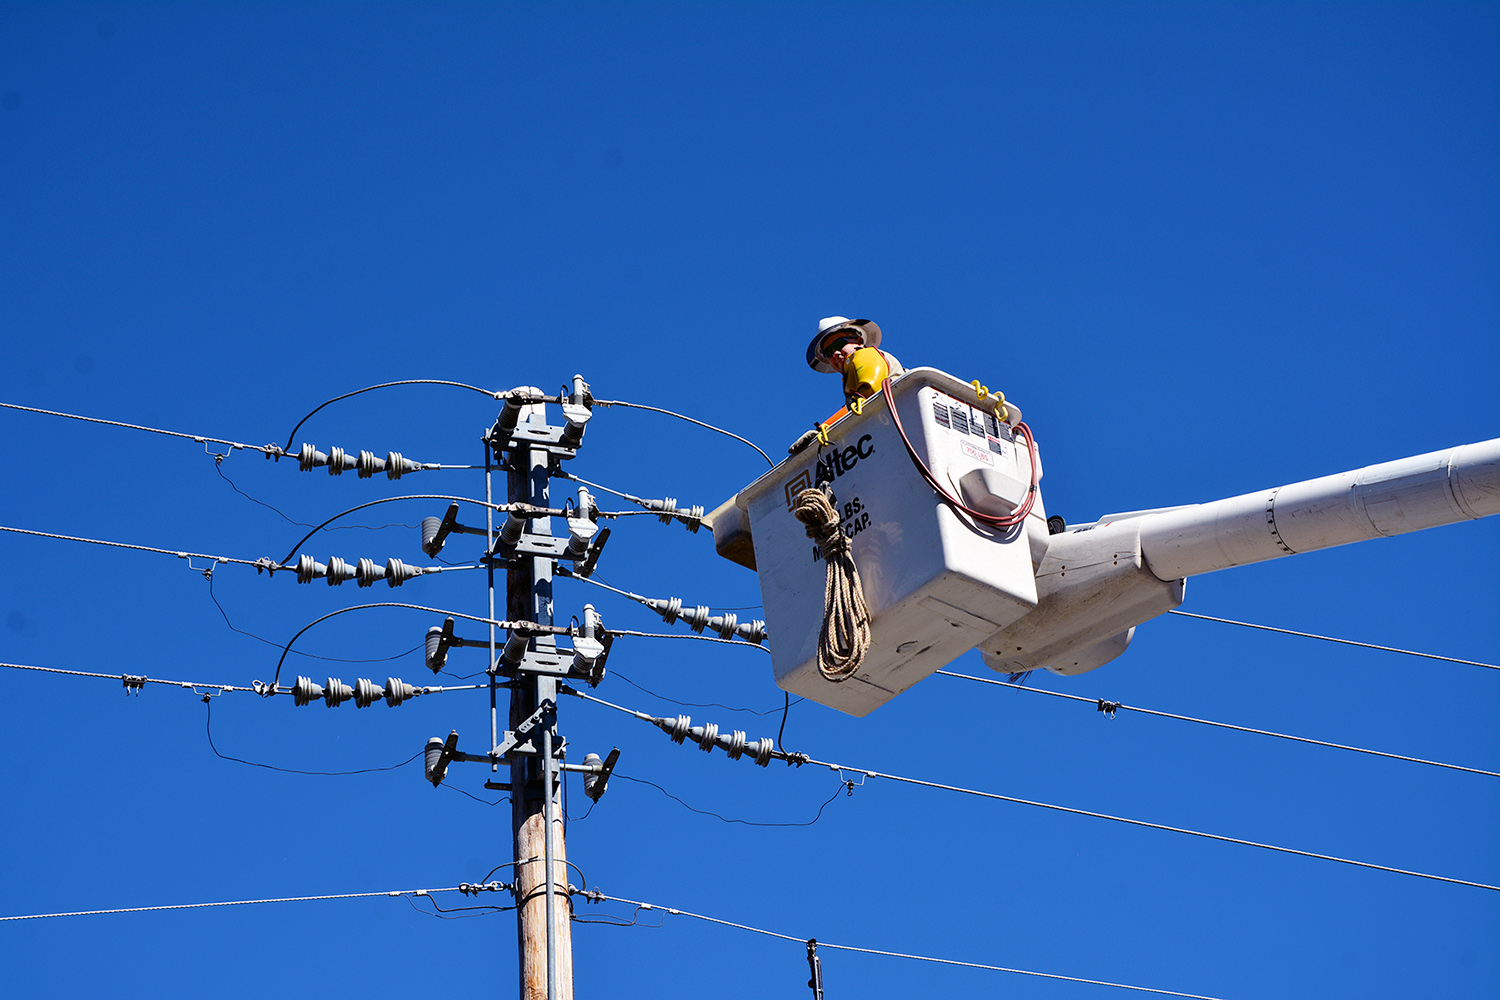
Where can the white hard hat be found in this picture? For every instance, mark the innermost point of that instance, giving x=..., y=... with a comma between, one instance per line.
x=831, y=327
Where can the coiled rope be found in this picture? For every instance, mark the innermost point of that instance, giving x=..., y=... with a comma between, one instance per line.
x=845, y=637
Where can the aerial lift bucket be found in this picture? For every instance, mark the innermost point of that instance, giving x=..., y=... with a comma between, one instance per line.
x=936, y=581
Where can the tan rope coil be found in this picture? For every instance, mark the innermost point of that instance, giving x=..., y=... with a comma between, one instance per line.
x=845, y=637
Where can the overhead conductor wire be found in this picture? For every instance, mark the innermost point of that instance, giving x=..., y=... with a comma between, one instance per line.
x=269, y=449
x=1113, y=706
x=800, y=759
x=1329, y=638
x=233, y=902
x=691, y=420
x=596, y=896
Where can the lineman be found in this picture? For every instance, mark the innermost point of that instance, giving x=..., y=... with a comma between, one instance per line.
x=851, y=347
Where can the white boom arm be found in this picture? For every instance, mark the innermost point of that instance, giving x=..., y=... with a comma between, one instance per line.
x=1096, y=582
x=1392, y=498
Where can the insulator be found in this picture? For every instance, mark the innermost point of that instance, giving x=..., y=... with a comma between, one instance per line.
x=397, y=572
x=590, y=779
x=430, y=528
x=510, y=413
x=735, y=744
x=515, y=648
x=587, y=506
x=339, y=571
x=437, y=650
x=336, y=692
x=724, y=624
x=668, y=609
x=366, y=572
x=368, y=464
x=339, y=460
x=305, y=691
x=309, y=569
x=762, y=751
x=708, y=738
x=432, y=760
x=396, y=466
x=366, y=693
x=397, y=691
x=696, y=619
x=752, y=631
x=693, y=519
x=511, y=531
x=310, y=458
x=677, y=728
x=664, y=508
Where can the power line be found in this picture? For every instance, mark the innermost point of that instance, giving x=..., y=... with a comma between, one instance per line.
x=696, y=704
x=386, y=385
x=728, y=819
x=314, y=656
x=219, y=468
x=269, y=449
x=1329, y=638
x=682, y=635
x=233, y=902
x=1111, y=707
x=531, y=627
x=800, y=759
x=137, y=681
x=1143, y=823
x=261, y=563
x=208, y=729
x=129, y=680
x=679, y=416
x=596, y=896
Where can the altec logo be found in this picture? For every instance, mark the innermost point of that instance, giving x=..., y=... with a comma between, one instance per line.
x=830, y=467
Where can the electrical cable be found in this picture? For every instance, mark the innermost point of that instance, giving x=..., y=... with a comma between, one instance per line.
x=314, y=656
x=442, y=914
x=1113, y=706
x=683, y=635
x=698, y=704
x=233, y=902
x=269, y=449
x=531, y=627
x=1004, y=521
x=679, y=416
x=414, y=496
x=219, y=468
x=257, y=563
x=596, y=896
x=386, y=385
x=727, y=819
x=841, y=768
x=1153, y=826
x=208, y=729
x=483, y=802
x=1346, y=642
x=566, y=573
x=130, y=680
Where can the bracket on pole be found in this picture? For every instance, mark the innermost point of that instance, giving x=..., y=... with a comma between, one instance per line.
x=815, y=965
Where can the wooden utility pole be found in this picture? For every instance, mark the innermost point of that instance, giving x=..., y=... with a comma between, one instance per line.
x=546, y=964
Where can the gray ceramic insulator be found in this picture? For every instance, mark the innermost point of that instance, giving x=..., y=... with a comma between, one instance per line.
x=437, y=653
x=366, y=693
x=336, y=692
x=397, y=691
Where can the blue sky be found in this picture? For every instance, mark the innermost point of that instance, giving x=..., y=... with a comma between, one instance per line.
x=1208, y=248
